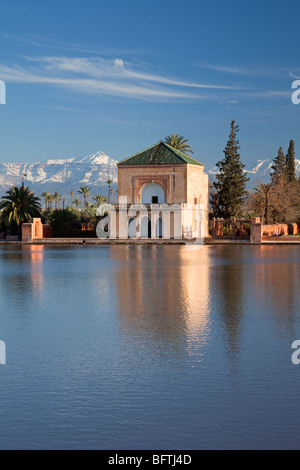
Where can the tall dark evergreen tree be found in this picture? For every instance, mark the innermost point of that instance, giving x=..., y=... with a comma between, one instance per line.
x=279, y=165
x=230, y=185
x=290, y=163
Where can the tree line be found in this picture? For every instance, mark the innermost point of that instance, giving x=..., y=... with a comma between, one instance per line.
x=19, y=205
x=85, y=191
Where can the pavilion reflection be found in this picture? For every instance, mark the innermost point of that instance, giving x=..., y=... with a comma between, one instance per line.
x=163, y=296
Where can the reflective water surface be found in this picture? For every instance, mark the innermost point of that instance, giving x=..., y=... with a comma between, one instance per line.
x=149, y=347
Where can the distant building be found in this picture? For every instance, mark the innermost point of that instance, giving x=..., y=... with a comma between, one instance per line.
x=162, y=193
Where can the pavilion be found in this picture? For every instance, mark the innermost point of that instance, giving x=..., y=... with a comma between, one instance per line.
x=162, y=193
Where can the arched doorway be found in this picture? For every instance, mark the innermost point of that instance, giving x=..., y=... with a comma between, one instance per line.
x=145, y=228
x=159, y=228
x=132, y=228
x=152, y=193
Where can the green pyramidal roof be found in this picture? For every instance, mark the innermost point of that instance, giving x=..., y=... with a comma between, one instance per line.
x=160, y=154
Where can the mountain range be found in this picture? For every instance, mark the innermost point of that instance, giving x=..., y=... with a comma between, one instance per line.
x=68, y=175
x=63, y=175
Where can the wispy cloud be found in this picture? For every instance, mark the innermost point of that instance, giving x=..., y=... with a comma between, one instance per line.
x=268, y=94
x=253, y=71
x=113, y=77
x=118, y=77
x=297, y=77
x=116, y=68
x=231, y=70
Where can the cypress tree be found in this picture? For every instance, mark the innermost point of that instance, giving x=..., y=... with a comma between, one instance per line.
x=279, y=164
x=290, y=163
x=230, y=184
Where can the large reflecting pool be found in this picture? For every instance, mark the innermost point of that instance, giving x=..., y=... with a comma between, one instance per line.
x=166, y=347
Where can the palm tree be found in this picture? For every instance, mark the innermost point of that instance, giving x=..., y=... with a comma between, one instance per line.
x=264, y=193
x=109, y=182
x=46, y=196
x=178, y=142
x=50, y=200
x=76, y=203
x=19, y=205
x=85, y=191
x=100, y=199
x=56, y=198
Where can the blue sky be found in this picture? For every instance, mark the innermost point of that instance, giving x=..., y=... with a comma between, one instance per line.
x=120, y=75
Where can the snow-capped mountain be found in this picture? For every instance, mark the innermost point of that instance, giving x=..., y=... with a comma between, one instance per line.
x=257, y=171
x=62, y=175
